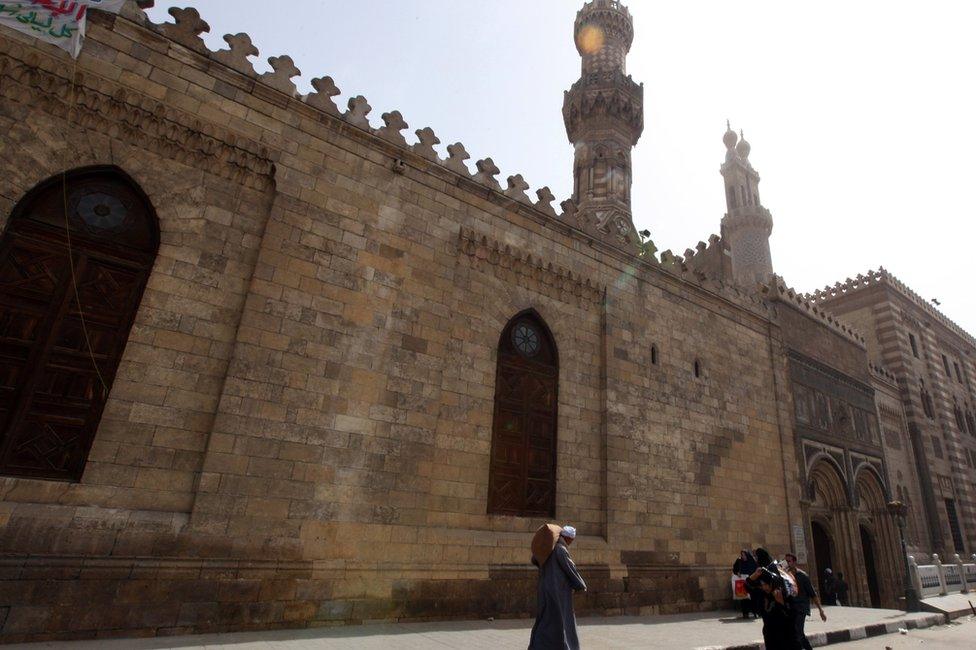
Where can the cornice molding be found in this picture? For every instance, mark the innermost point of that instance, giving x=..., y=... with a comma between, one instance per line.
x=95, y=103
x=530, y=272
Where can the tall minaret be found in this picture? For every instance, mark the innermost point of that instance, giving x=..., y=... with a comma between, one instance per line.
x=747, y=225
x=604, y=114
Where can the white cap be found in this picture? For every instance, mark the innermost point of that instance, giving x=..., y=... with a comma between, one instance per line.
x=568, y=532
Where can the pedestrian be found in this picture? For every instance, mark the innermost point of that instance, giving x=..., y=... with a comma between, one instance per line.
x=765, y=560
x=744, y=567
x=829, y=588
x=555, y=622
x=779, y=630
x=801, y=602
x=842, y=590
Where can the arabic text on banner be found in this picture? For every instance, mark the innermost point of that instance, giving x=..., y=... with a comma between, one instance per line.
x=61, y=22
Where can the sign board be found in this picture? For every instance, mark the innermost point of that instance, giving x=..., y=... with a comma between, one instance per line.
x=61, y=22
x=799, y=544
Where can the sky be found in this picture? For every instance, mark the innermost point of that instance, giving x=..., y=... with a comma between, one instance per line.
x=861, y=115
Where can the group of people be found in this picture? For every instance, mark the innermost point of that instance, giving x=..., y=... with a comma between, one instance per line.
x=780, y=595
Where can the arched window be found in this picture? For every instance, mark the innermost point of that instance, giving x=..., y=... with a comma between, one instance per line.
x=698, y=369
x=522, y=474
x=74, y=260
x=654, y=355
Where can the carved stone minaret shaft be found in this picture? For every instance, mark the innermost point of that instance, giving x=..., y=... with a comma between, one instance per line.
x=604, y=114
x=747, y=224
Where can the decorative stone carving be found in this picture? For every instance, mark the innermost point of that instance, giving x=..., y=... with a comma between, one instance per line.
x=236, y=57
x=457, y=156
x=487, y=170
x=516, y=188
x=425, y=146
x=392, y=125
x=187, y=28
x=359, y=108
x=569, y=212
x=528, y=271
x=544, y=204
x=325, y=90
x=283, y=70
x=104, y=107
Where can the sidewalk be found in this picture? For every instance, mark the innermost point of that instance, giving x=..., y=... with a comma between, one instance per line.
x=712, y=630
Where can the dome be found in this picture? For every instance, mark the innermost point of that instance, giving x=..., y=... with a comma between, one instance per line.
x=730, y=138
x=743, y=148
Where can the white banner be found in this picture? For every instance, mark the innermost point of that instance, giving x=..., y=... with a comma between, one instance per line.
x=61, y=22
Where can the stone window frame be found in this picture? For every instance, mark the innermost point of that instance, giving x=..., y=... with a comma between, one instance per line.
x=914, y=344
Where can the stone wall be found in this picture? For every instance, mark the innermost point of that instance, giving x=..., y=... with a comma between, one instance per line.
x=300, y=429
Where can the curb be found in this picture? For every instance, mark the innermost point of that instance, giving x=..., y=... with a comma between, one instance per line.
x=820, y=639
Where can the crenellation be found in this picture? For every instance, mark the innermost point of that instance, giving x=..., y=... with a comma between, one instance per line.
x=283, y=70
x=358, y=112
x=186, y=28
x=487, y=170
x=325, y=90
x=426, y=141
x=516, y=189
x=238, y=53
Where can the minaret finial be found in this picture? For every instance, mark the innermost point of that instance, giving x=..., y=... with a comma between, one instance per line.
x=747, y=225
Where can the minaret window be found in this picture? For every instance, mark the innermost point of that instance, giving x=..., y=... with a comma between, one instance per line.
x=654, y=355
x=732, y=204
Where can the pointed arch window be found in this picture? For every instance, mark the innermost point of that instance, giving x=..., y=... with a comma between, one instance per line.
x=74, y=260
x=522, y=470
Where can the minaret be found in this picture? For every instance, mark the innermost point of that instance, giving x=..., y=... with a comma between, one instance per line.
x=604, y=115
x=747, y=224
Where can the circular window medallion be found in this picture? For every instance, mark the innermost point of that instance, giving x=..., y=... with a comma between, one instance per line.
x=101, y=211
x=526, y=339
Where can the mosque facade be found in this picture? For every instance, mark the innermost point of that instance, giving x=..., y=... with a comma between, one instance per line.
x=266, y=364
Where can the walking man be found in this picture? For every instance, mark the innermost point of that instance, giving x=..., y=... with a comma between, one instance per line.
x=805, y=594
x=555, y=623
x=829, y=588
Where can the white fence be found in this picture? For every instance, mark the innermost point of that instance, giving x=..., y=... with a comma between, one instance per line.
x=938, y=579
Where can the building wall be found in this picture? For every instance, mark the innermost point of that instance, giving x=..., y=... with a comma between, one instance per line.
x=942, y=448
x=841, y=458
x=300, y=430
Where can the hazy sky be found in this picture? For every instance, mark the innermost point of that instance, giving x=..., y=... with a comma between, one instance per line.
x=861, y=115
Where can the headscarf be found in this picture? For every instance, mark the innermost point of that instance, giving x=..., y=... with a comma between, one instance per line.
x=568, y=532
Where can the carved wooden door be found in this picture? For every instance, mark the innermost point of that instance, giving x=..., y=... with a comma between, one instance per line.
x=522, y=478
x=57, y=361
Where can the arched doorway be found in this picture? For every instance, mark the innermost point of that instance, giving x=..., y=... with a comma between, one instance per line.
x=522, y=472
x=828, y=490
x=880, y=549
x=823, y=552
x=74, y=260
x=870, y=567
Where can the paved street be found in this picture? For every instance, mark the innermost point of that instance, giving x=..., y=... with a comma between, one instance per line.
x=707, y=630
x=957, y=636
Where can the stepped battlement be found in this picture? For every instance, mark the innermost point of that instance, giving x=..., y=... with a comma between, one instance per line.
x=777, y=289
x=883, y=277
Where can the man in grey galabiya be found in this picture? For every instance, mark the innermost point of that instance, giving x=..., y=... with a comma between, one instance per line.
x=555, y=622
